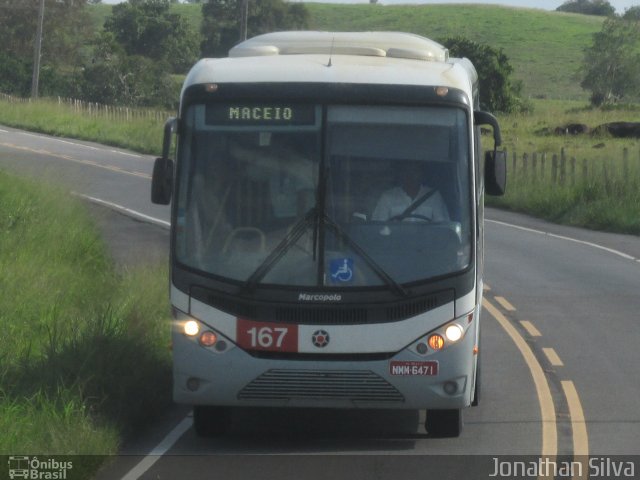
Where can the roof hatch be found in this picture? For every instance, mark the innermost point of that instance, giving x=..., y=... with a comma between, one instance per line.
x=375, y=44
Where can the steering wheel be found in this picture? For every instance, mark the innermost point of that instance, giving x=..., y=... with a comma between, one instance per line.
x=401, y=216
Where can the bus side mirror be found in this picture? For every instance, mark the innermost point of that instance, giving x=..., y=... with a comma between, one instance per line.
x=162, y=179
x=495, y=173
x=495, y=163
x=485, y=118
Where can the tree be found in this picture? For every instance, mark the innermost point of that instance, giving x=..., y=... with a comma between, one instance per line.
x=67, y=29
x=15, y=75
x=128, y=80
x=142, y=43
x=498, y=92
x=588, y=7
x=220, y=29
x=148, y=28
x=632, y=13
x=612, y=63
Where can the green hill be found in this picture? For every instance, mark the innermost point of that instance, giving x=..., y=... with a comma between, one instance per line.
x=545, y=48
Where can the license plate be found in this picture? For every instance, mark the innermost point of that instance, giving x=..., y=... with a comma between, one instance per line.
x=419, y=369
x=264, y=336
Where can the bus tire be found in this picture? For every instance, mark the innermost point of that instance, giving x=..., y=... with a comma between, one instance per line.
x=444, y=423
x=211, y=421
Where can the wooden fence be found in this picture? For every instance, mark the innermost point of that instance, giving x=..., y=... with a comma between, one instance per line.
x=110, y=112
x=561, y=169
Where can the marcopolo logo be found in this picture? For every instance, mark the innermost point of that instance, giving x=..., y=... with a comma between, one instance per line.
x=36, y=469
x=319, y=297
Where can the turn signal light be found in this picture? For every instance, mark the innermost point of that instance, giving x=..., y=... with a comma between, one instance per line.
x=436, y=342
x=208, y=339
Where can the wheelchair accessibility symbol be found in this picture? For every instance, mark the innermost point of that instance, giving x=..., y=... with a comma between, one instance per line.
x=341, y=270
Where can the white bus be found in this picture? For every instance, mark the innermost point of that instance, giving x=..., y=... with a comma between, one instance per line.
x=327, y=227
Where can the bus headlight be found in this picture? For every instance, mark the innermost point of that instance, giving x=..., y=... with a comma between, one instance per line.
x=444, y=336
x=453, y=332
x=191, y=328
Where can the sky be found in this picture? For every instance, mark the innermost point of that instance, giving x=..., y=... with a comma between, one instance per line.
x=620, y=5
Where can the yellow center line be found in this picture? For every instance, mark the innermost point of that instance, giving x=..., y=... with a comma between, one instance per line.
x=547, y=410
x=579, y=428
x=553, y=357
x=530, y=328
x=71, y=159
x=504, y=303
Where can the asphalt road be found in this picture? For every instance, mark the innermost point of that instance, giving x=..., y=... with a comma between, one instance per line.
x=559, y=349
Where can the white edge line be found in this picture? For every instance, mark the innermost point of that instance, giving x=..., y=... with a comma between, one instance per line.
x=126, y=154
x=4, y=131
x=562, y=237
x=125, y=210
x=156, y=454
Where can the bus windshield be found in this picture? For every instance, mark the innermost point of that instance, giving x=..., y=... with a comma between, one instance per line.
x=379, y=196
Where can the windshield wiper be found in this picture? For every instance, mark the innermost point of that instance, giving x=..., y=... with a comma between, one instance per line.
x=294, y=235
x=384, y=276
x=281, y=249
x=414, y=206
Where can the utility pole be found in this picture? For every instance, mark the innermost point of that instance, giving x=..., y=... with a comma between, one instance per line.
x=244, y=16
x=36, y=55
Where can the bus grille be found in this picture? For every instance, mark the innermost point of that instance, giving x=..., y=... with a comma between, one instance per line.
x=315, y=314
x=322, y=316
x=353, y=385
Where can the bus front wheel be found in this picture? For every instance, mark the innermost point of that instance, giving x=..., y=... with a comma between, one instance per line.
x=444, y=423
x=211, y=421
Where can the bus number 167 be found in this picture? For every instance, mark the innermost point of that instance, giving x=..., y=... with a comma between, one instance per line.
x=273, y=337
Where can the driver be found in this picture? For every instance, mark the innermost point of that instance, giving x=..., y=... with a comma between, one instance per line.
x=411, y=201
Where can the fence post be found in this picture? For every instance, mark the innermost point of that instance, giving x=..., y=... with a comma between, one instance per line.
x=572, y=169
x=534, y=166
x=515, y=158
x=525, y=165
x=543, y=162
x=554, y=169
x=563, y=166
x=625, y=164
x=585, y=171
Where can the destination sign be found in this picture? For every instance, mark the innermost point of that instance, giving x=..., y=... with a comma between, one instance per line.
x=260, y=115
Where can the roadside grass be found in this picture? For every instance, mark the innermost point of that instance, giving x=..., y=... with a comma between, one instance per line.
x=84, y=348
x=528, y=132
x=599, y=185
x=612, y=206
x=48, y=116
